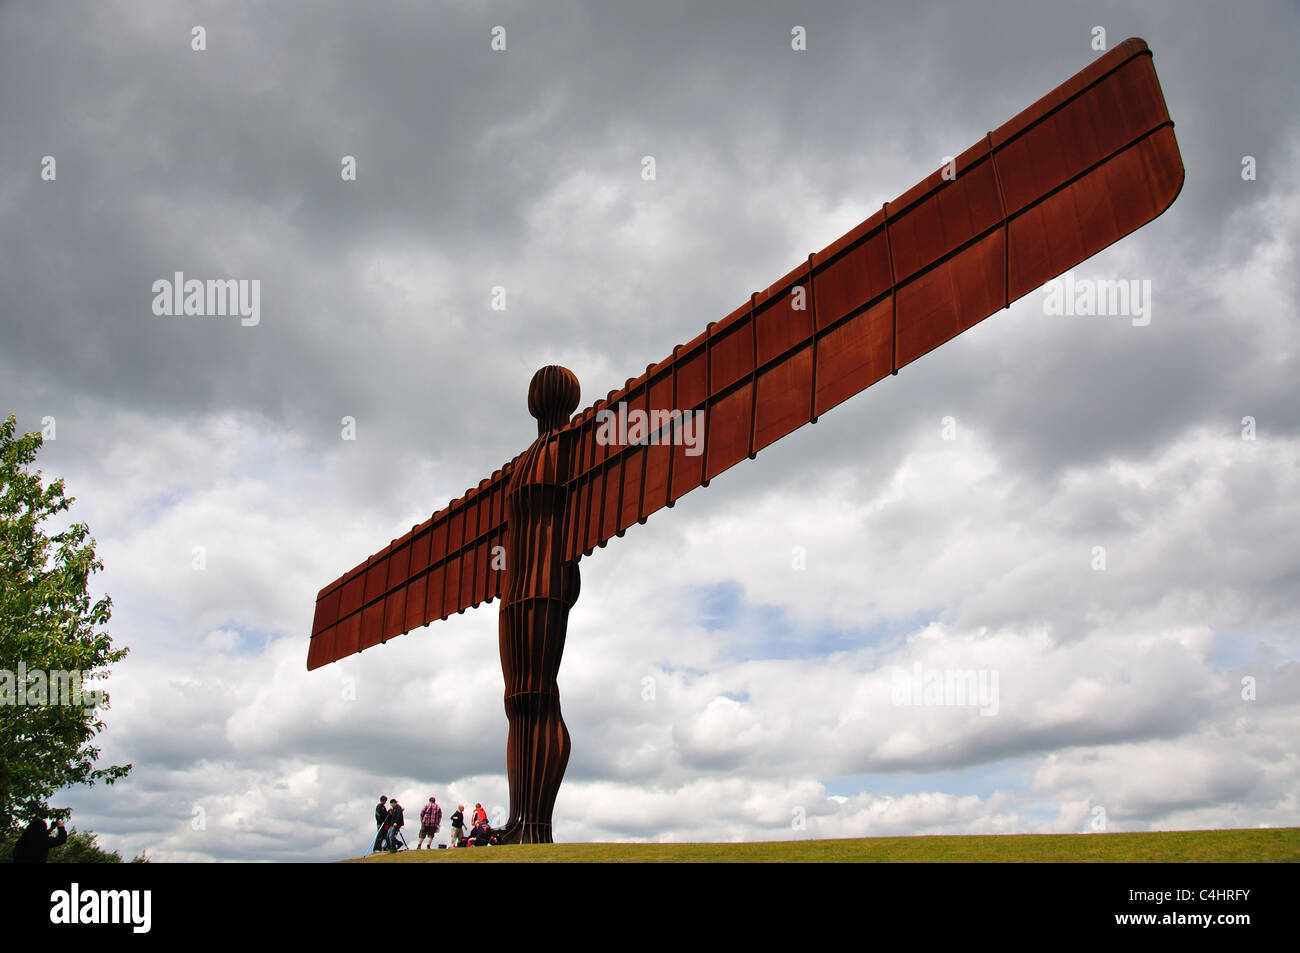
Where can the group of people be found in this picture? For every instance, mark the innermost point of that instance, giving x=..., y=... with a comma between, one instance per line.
x=390, y=818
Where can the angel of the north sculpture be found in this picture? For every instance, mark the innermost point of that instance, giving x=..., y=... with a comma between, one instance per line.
x=1090, y=162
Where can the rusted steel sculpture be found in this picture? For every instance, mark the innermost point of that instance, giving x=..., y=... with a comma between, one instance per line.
x=535, y=606
x=1086, y=165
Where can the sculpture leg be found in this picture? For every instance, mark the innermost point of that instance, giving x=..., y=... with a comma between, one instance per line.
x=537, y=754
x=532, y=633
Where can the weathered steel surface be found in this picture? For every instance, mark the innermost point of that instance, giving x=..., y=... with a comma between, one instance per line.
x=1084, y=166
x=442, y=566
x=540, y=589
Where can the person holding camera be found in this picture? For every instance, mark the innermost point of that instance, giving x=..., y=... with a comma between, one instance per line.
x=35, y=843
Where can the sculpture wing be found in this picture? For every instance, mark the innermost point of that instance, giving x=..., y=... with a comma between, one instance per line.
x=1084, y=166
x=443, y=565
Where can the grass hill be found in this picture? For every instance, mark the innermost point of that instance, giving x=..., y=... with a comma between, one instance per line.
x=1231, y=846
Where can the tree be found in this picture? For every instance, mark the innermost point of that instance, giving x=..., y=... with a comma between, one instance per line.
x=81, y=847
x=52, y=643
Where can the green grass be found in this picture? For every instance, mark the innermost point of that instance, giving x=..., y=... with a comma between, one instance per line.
x=1231, y=846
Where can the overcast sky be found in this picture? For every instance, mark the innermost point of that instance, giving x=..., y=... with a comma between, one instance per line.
x=713, y=689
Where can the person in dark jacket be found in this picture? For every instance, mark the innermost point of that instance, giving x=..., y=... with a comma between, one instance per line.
x=395, y=821
x=381, y=823
x=35, y=843
x=481, y=836
x=458, y=826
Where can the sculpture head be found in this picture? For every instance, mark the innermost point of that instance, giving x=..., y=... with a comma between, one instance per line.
x=553, y=396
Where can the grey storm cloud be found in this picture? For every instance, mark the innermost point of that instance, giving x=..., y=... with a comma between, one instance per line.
x=522, y=170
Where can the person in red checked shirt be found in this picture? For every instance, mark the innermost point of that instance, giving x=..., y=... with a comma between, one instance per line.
x=430, y=821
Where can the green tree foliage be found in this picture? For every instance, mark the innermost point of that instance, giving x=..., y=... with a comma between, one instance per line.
x=81, y=847
x=49, y=624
